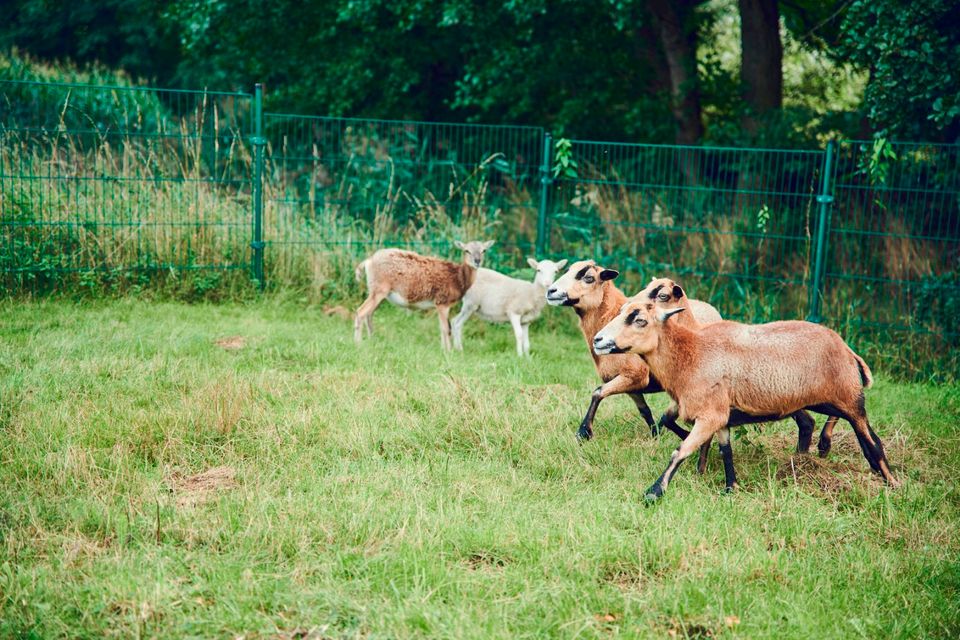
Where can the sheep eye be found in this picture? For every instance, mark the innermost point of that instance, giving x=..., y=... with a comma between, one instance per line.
x=642, y=322
x=664, y=297
x=588, y=279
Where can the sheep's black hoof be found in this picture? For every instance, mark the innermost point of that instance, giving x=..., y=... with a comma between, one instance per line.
x=823, y=449
x=730, y=488
x=653, y=494
x=585, y=433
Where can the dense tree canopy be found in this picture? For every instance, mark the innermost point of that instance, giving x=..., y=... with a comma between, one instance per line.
x=624, y=69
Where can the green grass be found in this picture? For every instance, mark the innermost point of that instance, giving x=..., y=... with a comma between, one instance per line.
x=393, y=491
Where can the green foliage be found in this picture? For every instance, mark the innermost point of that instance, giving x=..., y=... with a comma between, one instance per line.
x=875, y=164
x=563, y=162
x=128, y=34
x=937, y=305
x=35, y=104
x=913, y=52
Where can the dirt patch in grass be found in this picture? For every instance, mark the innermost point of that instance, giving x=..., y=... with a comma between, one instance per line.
x=200, y=488
x=484, y=561
x=624, y=576
x=831, y=477
x=231, y=343
x=697, y=627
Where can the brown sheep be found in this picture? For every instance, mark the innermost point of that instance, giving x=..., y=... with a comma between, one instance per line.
x=725, y=373
x=665, y=294
x=589, y=289
x=410, y=280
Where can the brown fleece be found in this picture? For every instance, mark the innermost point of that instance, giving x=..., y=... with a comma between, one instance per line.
x=773, y=369
x=418, y=278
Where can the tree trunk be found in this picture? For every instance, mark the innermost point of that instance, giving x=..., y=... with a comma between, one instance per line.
x=678, y=36
x=761, y=71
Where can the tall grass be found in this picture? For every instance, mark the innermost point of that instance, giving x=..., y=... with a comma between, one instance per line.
x=171, y=470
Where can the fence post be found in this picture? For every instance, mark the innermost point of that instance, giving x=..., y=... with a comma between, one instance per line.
x=824, y=200
x=258, y=142
x=545, y=181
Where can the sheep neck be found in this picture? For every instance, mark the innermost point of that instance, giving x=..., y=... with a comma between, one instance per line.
x=466, y=275
x=674, y=355
x=593, y=319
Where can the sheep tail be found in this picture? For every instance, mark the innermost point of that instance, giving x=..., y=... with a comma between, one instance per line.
x=866, y=377
x=361, y=269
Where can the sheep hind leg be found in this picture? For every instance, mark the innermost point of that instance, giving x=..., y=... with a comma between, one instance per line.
x=805, y=425
x=872, y=447
x=726, y=451
x=826, y=436
x=701, y=432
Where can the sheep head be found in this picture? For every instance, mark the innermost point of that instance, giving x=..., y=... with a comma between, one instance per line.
x=634, y=330
x=473, y=251
x=581, y=286
x=547, y=271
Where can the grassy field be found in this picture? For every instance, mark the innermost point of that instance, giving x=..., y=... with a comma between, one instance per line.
x=244, y=470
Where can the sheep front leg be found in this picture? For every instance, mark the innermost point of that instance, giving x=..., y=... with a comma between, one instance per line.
x=669, y=420
x=702, y=431
x=461, y=319
x=443, y=312
x=645, y=412
x=618, y=385
x=364, y=314
x=517, y=332
x=526, y=339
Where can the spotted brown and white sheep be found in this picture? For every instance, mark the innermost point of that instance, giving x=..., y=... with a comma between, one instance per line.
x=411, y=280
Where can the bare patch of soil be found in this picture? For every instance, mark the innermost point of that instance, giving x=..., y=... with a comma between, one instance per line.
x=231, y=343
x=202, y=487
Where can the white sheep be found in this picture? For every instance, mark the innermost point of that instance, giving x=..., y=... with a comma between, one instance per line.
x=499, y=298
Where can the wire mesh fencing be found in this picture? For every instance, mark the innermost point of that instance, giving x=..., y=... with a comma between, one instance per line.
x=336, y=189
x=128, y=186
x=121, y=184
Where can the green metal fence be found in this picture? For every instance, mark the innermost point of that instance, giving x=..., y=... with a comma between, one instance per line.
x=347, y=186
x=735, y=225
x=862, y=235
x=132, y=183
x=121, y=183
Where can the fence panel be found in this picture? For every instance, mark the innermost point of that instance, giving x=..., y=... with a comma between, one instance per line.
x=120, y=184
x=338, y=188
x=894, y=243
x=735, y=226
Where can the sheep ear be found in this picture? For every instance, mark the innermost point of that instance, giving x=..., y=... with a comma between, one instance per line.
x=664, y=315
x=561, y=264
x=488, y=244
x=677, y=291
x=533, y=263
x=459, y=245
x=608, y=274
